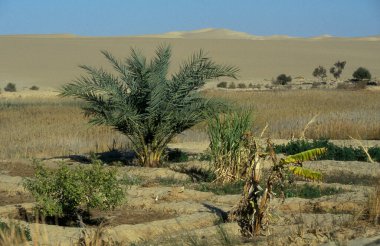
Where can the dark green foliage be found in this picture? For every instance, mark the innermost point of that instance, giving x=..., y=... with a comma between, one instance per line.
x=351, y=178
x=65, y=191
x=242, y=86
x=34, y=88
x=320, y=72
x=337, y=69
x=310, y=191
x=283, y=79
x=177, y=155
x=361, y=73
x=18, y=232
x=10, y=87
x=222, y=84
x=334, y=152
x=233, y=188
x=141, y=101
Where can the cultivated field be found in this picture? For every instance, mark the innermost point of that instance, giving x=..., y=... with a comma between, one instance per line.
x=176, y=205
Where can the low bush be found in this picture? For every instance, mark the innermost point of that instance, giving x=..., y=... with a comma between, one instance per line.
x=283, y=79
x=362, y=73
x=334, y=152
x=10, y=87
x=34, y=88
x=222, y=84
x=242, y=86
x=66, y=191
x=177, y=155
x=310, y=191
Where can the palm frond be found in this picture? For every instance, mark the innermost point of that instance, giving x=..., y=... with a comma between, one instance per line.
x=305, y=173
x=304, y=156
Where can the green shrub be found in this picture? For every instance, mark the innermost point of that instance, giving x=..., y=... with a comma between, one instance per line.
x=334, y=152
x=34, y=88
x=242, y=86
x=361, y=73
x=65, y=191
x=10, y=87
x=177, y=155
x=283, y=79
x=222, y=84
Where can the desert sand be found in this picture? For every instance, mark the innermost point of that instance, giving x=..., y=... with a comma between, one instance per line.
x=50, y=61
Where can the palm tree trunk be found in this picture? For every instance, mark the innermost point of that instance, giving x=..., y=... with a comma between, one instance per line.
x=150, y=156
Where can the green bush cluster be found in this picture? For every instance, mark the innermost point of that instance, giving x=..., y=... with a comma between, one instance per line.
x=10, y=87
x=65, y=191
x=334, y=152
x=222, y=84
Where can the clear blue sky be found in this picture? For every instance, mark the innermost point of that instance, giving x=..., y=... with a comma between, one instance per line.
x=131, y=17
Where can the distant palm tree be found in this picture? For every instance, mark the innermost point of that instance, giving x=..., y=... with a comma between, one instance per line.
x=143, y=103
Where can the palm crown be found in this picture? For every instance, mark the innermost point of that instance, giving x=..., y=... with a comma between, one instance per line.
x=143, y=103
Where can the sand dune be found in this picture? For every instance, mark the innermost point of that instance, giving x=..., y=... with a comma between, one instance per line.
x=52, y=60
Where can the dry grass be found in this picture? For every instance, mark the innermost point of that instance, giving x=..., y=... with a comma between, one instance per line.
x=341, y=113
x=374, y=204
x=50, y=127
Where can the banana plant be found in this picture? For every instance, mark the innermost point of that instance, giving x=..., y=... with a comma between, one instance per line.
x=251, y=212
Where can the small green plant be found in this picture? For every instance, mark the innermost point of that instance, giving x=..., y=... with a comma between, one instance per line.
x=10, y=87
x=222, y=84
x=64, y=192
x=361, y=74
x=34, y=88
x=320, y=72
x=227, y=151
x=283, y=79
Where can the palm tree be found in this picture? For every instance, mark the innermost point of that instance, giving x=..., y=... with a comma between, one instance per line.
x=144, y=103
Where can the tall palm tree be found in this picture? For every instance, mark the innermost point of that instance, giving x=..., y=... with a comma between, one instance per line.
x=146, y=104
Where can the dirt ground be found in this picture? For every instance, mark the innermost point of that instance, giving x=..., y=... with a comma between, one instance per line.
x=163, y=212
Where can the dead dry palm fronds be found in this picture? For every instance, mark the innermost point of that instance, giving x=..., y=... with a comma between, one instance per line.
x=302, y=135
x=365, y=149
x=374, y=204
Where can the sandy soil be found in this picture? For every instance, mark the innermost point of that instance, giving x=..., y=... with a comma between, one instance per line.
x=52, y=60
x=154, y=210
